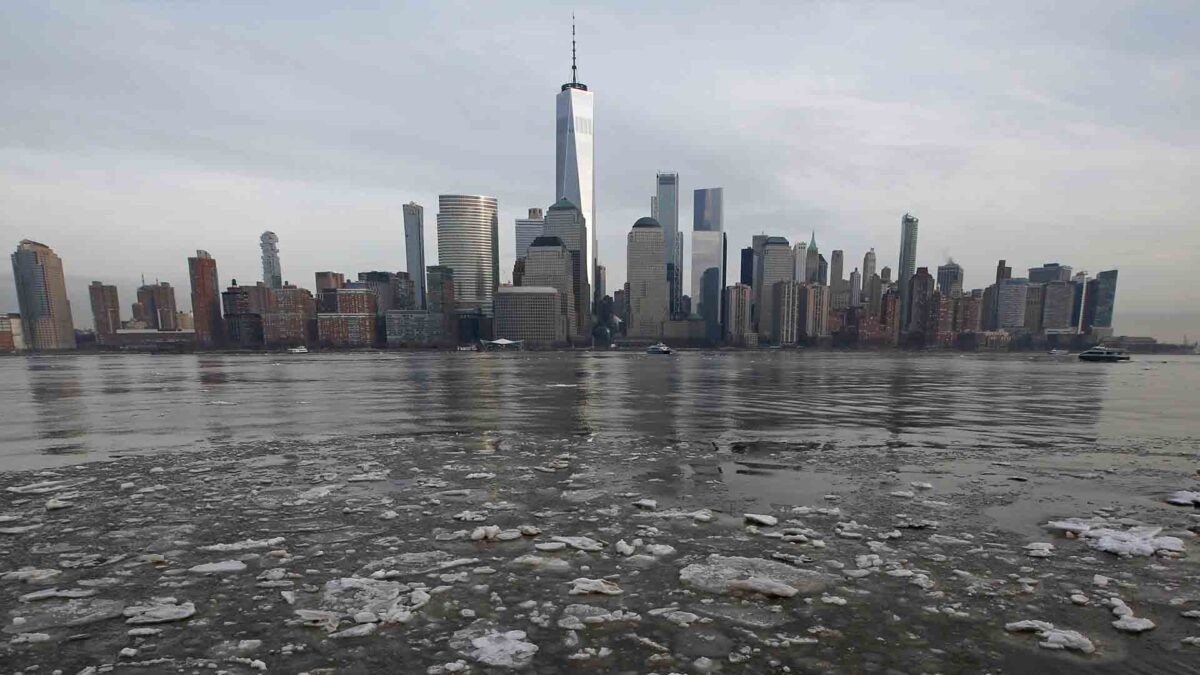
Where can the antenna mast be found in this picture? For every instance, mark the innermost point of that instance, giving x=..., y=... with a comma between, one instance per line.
x=574, y=79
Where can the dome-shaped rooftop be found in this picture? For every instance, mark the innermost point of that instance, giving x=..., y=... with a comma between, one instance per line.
x=564, y=203
x=777, y=240
x=647, y=222
x=545, y=240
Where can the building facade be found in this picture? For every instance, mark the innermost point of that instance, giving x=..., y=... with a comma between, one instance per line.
x=206, y=300
x=738, y=302
x=530, y=314
x=649, y=301
x=708, y=258
x=549, y=264
x=414, y=250
x=908, y=258
x=566, y=222
x=666, y=212
x=106, y=310
x=42, y=297
x=414, y=328
x=528, y=229
x=272, y=270
x=950, y=279
x=1010, y=304
x=574, y=158
x=467, y=243
x=777, y=265
x=1099, y=304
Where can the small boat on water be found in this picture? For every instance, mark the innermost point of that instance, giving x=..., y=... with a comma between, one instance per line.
x=659, y=348
x=298, y=350
x=1104, y=354
x=1059, y=352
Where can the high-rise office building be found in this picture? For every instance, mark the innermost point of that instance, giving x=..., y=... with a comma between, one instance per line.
x=837, y=262
x=746, y=276
x=873, y=293
x=920, y=305
x=548, y=263
x=1099, y=304
x=441, y=297
x=526, y=230
x=822, y=271
x=106, y=310
x=1049, y=272
x=414, y=251
x=666, y=212
x=601, y=288
x=1010, y=303
x=1056, y=306
x=566, y=222
x=646, y=268
x=467, y=243
x=157, y=306
x=708, y=258
x=777, y=265
x=812, y=262
x=1080, y=283
x=42, y=297
x=950, y=279
x=800, y=262
x=206, y=300
x=885, y=275
x=908, y=259
x=738, y=301
x=1035, y=304
x=574, y=167
x=813, y=313
x=272, y=270
x=855, y=288
x=868, y=268
x=529, y=314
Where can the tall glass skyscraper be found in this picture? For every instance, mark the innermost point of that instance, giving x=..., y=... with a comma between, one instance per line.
x=414, y=250
x=708, y=257
x=467, y=243
x=666, y=212
x=525, y=230
x=574, y=166
x=42, y=296
x=908, y=258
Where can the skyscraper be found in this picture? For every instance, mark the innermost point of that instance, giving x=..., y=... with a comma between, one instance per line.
x=708, y=257
x=746, y=278
x=868, y=268
x=737, y=314
x=525, y=230
x=42, y=296
x=414, y=250
x=1099, y=304
x=950, y=279
x=206, y=300
x=908, y=259
x=565, y=221
x=549, y=263
x=158, y=308
x=855, y=288
x=777, y=266
x=646, y=268
x=574, y=168
x=1003, y=271
x=106, y=310
x=272, y=272
x=666, y=207
x=812, y=262
x=800, y=262
x=467, y=243
x=837, y=284
x=920, y=307
x=1010, y=303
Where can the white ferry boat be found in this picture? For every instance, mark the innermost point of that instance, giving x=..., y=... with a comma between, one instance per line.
x=659, y=348
x=298, y=350
x=1104, y=354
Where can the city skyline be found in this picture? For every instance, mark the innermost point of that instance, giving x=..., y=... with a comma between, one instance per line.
x=851, y=213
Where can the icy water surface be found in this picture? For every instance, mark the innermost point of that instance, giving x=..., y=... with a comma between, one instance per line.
x=706, y=512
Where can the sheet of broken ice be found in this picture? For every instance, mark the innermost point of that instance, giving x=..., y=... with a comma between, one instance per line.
x=449, y=554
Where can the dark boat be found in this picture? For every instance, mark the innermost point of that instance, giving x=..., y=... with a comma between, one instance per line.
x=1104, y=354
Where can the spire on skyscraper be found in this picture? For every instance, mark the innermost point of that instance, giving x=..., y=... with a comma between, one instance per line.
x=812, y=245
x=574, y=79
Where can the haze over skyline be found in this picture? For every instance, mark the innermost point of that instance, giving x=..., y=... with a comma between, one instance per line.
x=133, y=134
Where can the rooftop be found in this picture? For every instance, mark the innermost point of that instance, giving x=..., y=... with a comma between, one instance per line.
x=647, y=222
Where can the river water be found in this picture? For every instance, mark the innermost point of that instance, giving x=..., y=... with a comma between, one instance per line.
x=930, y=473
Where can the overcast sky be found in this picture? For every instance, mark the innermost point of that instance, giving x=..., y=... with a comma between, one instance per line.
x=132, y=134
